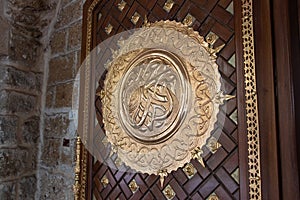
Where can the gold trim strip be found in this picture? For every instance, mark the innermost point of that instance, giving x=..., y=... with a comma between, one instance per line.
x=77, y=169
x=251, y=101
x=81, y=159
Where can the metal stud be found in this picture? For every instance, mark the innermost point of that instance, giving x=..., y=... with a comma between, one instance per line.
x=135, y=18
x=168, y=5
x=213, y=145
x=211, y=38
x=104, y=181
x=121, y=5
x=189, y=170
x=169, y=192
x=213, y=196
x=133, y=186
x=108, y=29
x=188, y=20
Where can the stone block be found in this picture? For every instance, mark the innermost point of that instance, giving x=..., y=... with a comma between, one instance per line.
x=20, y=79
x=15, y=102
x=4, y=95
x=31, y=130
x=24, y=49
x=3, y=75
x=74, y=40
x=4, y=39
x=8, y=130
x=28, y=20
x=14, y=162
x=64, y=95
x=56, y=125
x=68, y=153
x=27, y=187
x=8, y=190
x=61, y=68
x=33, y=4
x=70, y=13
x=51, y=151
x=56, y=186
x=58, y=42
x=10, y=162
x=22, y=103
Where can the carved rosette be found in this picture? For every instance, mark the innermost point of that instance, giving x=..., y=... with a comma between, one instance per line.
x=161, y=97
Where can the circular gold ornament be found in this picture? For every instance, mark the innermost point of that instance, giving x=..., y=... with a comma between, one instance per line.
x=161, y=97
x=152, y=94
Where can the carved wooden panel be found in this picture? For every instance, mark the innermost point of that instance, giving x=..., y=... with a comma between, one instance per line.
x=220, y=177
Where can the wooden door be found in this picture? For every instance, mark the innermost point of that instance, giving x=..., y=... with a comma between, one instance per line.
x=233, y=170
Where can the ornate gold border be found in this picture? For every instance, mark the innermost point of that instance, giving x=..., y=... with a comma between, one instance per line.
x=251, y=101
x=81, y=152
x=251, y=107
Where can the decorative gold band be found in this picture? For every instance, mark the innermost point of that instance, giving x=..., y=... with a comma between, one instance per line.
x=251, y=101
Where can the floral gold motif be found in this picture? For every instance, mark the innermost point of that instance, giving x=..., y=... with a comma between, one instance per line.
x=108, y=29
x=122, y=5
x=196, y=154
x=135, y=18
x=162, y=174
x=168, y=5
x=169, y=192
x=133, y=186
x=213, y=145
x=77, y=169
x=211, y=38
x=188, y=20
x=104, y=181
x=189, y=170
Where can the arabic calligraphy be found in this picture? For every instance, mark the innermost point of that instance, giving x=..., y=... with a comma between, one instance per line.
x=151, y=106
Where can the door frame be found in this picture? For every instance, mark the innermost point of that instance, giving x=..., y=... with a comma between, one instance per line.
x=278, y=176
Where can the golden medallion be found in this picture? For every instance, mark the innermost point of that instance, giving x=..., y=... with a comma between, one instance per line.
x=161, y=97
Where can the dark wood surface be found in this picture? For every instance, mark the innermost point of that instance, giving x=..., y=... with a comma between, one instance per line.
x=242, y=129
x=266, y=99
x=296, y=82
x=277, y=64
x=216, y=177
x=286, y=64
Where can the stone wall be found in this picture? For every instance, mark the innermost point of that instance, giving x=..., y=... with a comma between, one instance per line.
x=58, y=152
x=39, y=55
